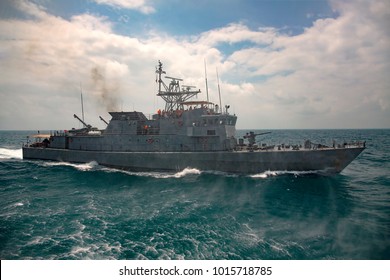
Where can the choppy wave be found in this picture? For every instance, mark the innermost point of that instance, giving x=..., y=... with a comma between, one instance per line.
x=61, y=210
x=10, y=153
x=189, y=171
x=16, y=204
x=93, y=166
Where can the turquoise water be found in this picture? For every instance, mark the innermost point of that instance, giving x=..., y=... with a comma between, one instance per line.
x=57, y=210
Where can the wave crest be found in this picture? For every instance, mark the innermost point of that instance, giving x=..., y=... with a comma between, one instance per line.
x=187, y=171
x=79, y=166
x=270, y=173
x=158, y=175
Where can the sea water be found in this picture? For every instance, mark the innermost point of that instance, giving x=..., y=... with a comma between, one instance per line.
x=59, y=210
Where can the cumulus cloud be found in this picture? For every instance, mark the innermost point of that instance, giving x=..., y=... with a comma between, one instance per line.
x=335, y=71
x=30, y=8
x=334, y=74
x=238, y=32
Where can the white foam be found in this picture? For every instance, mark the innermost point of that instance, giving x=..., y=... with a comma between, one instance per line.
x=270, y=173
x=11, y=153
x=187, y=171
x=81, y=166
x=16, y=204
x=76, y=250
x=159, y=175
x=265, y=174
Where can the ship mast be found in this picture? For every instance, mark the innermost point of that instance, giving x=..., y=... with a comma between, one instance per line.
x=173, y=94
x=205, y=74
x=159, y=71
x=82, y=103
x=219, y=92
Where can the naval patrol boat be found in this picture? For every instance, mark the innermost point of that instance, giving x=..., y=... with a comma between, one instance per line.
x=186, y=134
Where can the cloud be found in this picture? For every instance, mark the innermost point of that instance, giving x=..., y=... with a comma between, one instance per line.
x=333, y=71
x=139, y=5
x=237, y=32
x=30, y=8
x=47, y=58
x=334, y=74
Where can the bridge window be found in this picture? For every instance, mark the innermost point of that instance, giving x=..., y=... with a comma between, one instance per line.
x=210, y=132
x=231, y=121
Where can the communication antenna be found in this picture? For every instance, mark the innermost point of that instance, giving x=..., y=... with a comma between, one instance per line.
x=159, y=71
x=82, y=103
x=219, y=91
x=205, y=74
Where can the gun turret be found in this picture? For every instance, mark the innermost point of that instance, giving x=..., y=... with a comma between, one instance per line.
x=251, y=136
x=86, y=125
x=103, y=120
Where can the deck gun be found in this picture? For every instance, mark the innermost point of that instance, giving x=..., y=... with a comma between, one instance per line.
x=86, y=125
x=103, y=120
x=251, y=136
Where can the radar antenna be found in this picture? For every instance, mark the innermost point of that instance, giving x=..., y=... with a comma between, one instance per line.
x=173, y=94
x=187, y=88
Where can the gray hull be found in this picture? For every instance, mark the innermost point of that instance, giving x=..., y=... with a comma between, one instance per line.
x=325, y=160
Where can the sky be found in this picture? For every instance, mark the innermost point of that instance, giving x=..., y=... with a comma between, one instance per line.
x=282, y=64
